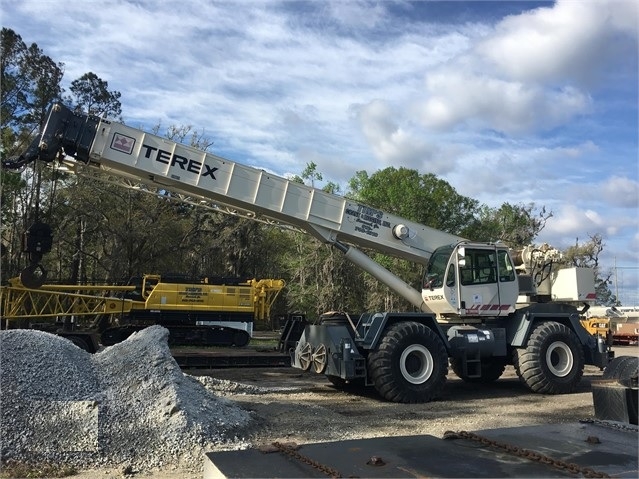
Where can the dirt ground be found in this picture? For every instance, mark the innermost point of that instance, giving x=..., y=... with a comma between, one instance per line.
x=315, y=411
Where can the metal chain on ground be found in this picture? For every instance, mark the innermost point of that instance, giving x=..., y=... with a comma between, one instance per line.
x=290, y=451
x=611, y=425
x=526, y=454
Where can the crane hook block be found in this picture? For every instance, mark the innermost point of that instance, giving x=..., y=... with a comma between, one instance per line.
x=33, y=276
x=38, y=239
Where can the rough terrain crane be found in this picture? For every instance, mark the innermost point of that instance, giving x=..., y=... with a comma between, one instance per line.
x=481, y=306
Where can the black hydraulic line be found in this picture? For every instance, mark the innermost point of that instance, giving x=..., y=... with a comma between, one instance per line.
x=30, y=155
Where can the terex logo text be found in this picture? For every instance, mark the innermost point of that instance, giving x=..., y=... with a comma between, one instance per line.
x=184, y=163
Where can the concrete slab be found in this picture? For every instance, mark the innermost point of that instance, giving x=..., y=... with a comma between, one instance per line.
x=606, y=450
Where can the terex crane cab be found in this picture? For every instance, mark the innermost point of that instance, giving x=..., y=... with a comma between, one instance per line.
x=481, y=306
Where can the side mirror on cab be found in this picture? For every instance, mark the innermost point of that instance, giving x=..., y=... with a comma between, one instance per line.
x=461, y=256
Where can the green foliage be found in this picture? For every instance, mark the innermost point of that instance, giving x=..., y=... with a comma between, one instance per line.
x=380, y=297
x=119, y=233
x=321, y=279
x=30, y=83
x=332, y=188
x=585, y=254
x=12, y=187
x=422, y=198
x=515, y=225
x=311, y=174
x=90, y=94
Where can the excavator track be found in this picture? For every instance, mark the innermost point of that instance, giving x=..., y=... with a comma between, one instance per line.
x=229, y=358
x=254, y=355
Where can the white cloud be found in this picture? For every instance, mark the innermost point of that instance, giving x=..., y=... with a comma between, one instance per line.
x=620, y=191
x=394, y=145
x=577, y=151
x=531, y=73
x=559, y=43
x=571, y=222
x=521, y=171
x=357, y=13
x=484, y=101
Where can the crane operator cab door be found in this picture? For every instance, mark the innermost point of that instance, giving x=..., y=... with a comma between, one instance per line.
x=470, y=280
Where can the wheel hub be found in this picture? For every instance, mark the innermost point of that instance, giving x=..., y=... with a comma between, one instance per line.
x=559, y=359
x=416, y=364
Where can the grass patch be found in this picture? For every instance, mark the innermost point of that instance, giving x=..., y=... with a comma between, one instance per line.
x=254, y=343
x=264, y=343
x=18, y=470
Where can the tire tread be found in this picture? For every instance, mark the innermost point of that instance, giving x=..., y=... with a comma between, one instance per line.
x=529, y=364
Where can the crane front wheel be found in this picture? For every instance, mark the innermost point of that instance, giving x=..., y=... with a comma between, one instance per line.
x=553, y=360
x=410, y=363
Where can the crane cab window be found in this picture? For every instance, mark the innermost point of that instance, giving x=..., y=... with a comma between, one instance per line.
x=480, y=267
x=436, y=268
x=505, y=265
x=450, y=276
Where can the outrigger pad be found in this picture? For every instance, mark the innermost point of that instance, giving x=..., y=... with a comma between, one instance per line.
x=613, y=452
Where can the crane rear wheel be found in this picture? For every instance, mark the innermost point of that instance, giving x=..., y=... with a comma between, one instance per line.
x=409, y=364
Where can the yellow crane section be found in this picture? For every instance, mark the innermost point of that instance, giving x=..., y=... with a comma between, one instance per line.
x=19, y=302
x=253, y=296
x=206, y=312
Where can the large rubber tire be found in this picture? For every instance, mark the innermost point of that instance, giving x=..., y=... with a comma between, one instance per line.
x=410, y=364
x=622, y=367
x=491, y=370
x=625, y=369
x=553, y=360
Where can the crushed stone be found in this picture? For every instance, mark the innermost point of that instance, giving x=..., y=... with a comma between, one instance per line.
x=129, y=405
x=225, y=387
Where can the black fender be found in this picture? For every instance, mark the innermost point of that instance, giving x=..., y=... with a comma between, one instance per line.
x=371, y=327
x=523, y=322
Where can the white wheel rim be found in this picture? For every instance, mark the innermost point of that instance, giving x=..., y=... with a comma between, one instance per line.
x=559, y=359
x=420, y=361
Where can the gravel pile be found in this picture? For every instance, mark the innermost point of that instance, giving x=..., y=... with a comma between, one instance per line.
x=129, y=406
x=224, y=387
